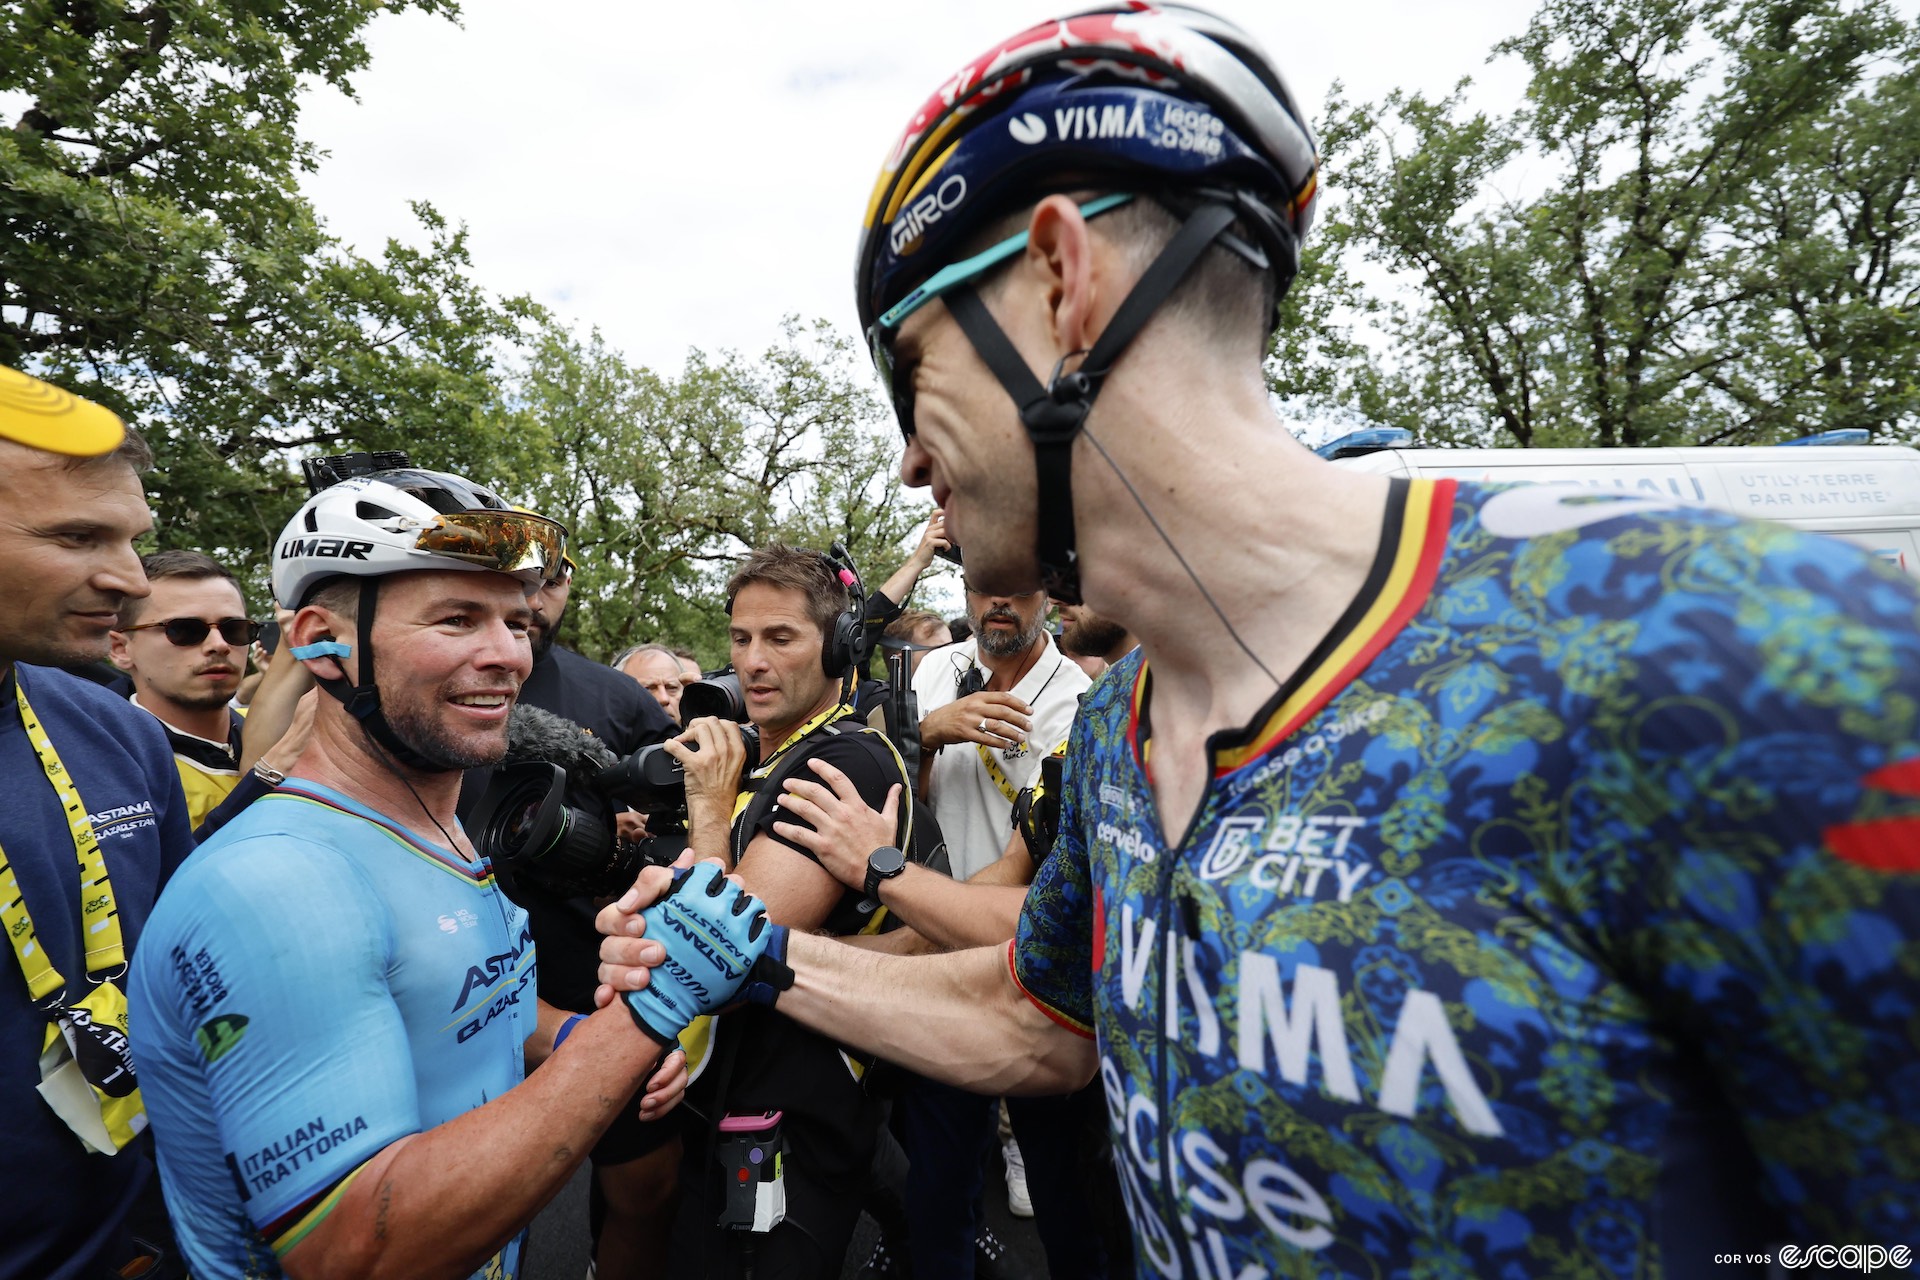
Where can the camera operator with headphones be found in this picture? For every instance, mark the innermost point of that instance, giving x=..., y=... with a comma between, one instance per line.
x=795, y=632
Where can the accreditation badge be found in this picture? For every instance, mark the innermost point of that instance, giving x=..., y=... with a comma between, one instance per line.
x=86, y=1070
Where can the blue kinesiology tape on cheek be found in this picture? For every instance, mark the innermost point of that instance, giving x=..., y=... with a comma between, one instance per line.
x=321, y=649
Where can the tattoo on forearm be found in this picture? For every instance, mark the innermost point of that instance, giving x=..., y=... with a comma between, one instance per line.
x=386, y=1204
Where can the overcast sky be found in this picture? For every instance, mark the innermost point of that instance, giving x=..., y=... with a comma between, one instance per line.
x=683, y=175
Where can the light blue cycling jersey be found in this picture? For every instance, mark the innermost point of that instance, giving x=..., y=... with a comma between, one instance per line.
x=314, y=984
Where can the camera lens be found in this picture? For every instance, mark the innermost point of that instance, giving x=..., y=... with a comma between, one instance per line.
x=715, y=696
x=529, y=826
x=519, y=827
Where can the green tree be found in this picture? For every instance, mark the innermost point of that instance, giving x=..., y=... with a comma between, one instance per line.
x=1720, y=250
x=1317, y=366
x=667, y=482
x=156, y=254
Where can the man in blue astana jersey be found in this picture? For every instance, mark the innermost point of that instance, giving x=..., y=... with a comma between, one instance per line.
x=1458, y=882
x=330, y=1005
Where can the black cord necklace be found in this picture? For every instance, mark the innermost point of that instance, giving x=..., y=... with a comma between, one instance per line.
x=396, y=771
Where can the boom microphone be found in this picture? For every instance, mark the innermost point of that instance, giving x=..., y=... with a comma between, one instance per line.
x=533, y=734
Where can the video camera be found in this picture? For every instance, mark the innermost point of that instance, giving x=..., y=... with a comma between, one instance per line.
x=719, y=695
x=324, y=473
x=548, y=810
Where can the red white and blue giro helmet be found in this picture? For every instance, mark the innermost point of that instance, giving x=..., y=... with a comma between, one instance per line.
x=1123, y=102
x=1153, y=99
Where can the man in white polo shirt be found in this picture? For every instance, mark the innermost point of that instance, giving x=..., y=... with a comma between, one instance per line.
x=991, y=709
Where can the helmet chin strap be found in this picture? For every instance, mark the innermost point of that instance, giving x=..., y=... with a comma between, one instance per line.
x=362, y=700
x=1054, y=415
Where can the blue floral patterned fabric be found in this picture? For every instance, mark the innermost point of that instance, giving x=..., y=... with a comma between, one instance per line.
x=1561, y=919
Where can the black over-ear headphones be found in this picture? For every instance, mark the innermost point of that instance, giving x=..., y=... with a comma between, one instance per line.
x=845, y=638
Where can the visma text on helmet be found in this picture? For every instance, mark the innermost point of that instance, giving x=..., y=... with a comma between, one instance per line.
x=1180, y=128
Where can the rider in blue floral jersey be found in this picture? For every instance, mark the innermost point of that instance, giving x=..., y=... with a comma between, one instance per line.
x=1458, y=881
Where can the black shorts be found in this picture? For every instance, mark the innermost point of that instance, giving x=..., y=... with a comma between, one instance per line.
x=629, y=1137
x=568, y=946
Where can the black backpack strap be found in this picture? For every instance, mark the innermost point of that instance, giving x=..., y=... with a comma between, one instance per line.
x=768, y=788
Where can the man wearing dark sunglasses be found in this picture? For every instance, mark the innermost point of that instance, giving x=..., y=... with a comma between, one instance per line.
x=185, y=649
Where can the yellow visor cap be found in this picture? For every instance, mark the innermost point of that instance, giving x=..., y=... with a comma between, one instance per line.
x=42, y=416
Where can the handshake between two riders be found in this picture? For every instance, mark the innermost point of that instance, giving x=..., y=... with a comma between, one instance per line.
x=719, y=947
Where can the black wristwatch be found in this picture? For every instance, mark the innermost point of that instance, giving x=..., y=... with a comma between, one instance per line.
x=883, y=863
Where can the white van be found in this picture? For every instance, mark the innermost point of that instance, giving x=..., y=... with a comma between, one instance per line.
x=1869, y=494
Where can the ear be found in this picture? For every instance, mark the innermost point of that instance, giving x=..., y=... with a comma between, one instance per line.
x=1061, y=251
x=313, y=624
x=117, y=652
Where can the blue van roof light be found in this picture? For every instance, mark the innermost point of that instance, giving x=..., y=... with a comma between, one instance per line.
x=1846, y=435
x=1371, y=440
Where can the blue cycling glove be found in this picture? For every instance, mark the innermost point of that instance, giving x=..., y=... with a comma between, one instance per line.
x=770, y=974
x=713, y=931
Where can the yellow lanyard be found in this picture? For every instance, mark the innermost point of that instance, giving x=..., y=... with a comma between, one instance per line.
x=86, y=1070
x=99, y=916
x=839, y=712
x=1007, y=789
x=994, y=772
x=765, y=767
